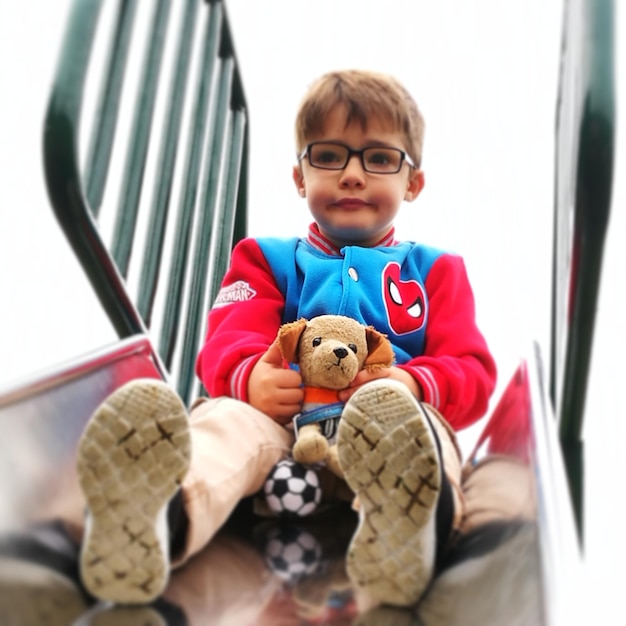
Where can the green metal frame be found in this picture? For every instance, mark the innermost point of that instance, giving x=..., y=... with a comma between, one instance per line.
x=210, y=215
x=584, y=175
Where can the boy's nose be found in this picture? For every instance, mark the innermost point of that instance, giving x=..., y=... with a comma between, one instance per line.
x=353, y=174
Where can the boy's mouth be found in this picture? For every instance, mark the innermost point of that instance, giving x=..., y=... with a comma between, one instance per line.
x=350, y=203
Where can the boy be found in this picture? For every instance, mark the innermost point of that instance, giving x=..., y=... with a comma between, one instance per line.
x=359, y=146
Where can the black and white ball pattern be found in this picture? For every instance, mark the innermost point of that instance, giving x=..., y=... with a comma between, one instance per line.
x=292, y=553
x=292, y=489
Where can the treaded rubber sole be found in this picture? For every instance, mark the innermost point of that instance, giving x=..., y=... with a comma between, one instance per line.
x=389, y=456
x=132, y=458
x=388, y=616
x=121, y=616
x=31, y=593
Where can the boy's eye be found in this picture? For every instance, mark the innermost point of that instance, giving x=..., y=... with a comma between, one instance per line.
x=327, y=156
x=384, y=160
x=378, y=157
x=316, y=341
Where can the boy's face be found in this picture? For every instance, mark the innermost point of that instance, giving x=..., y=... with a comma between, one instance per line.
x=352, y=206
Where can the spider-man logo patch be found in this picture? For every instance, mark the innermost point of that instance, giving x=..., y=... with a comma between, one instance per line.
x=404, y=301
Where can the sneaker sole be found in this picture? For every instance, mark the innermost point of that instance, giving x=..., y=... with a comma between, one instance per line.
x=132, y=458
x=389, y=456
x=121, y=616
x=31, y=593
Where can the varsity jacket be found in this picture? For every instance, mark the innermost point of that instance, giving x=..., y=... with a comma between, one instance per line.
x=420, y=297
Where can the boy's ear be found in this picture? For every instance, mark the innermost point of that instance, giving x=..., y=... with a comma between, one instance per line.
x=415, y=185
x=298, y=179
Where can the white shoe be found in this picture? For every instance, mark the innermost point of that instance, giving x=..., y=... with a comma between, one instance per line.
x=31, y=593
x=111, y=615
x=389, y=454
x=132, y=458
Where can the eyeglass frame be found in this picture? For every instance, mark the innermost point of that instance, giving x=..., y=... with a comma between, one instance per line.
x=404, y=157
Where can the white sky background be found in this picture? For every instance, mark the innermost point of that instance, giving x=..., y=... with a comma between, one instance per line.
x=484, y=73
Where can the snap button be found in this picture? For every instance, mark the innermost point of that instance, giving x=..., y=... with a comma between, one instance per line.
x=354, y=275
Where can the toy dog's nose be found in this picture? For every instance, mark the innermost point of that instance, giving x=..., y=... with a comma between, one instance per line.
x=340, y=353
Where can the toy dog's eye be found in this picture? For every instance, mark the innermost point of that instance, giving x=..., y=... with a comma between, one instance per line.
x=316, y=341
x=352, y=347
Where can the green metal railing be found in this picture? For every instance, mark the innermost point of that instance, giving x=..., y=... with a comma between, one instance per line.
x=209, y=215
x=584, y=174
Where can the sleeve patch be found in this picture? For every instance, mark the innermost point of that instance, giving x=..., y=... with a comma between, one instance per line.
x=239, y=291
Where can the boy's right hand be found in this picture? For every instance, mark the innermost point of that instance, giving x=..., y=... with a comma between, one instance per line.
x=274, y=389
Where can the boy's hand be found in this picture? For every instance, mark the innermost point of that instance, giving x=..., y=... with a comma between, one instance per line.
x=274, y=389
x=388, y=372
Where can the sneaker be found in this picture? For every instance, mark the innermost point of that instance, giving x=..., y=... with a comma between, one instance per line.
x=39, y=581
x=494, y=578
x=111, y=615
x=389, y=454
x=132, y=458
x=33, y=594
x=389, y=616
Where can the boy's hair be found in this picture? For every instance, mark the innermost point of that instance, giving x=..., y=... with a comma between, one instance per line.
x=365, y=95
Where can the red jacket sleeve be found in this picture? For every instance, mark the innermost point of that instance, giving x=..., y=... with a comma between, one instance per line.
x=242, y=324
x=457, y=373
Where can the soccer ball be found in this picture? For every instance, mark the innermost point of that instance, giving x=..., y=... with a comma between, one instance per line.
x=292, y=489
x=291, y=552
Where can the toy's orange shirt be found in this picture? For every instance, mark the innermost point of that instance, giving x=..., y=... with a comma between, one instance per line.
x=319, y=395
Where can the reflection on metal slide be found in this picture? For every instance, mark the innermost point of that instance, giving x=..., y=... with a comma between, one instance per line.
x=265, y=570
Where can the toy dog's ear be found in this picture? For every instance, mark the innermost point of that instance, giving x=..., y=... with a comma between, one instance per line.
x=288, y=338
x=379, y=351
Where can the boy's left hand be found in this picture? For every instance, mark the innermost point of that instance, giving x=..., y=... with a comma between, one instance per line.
x=388, y=372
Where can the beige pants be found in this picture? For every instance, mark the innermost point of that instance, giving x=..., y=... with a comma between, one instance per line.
x=235, y=447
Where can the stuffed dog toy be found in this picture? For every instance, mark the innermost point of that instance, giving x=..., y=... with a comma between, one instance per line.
x=330, y=350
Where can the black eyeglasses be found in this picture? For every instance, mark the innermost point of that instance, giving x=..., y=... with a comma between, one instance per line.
x=328, y=155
